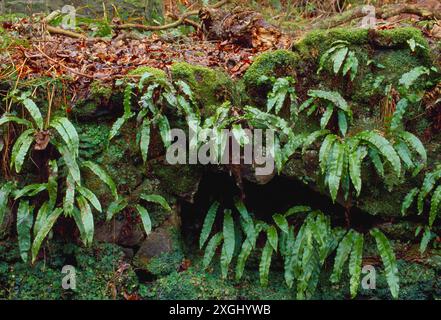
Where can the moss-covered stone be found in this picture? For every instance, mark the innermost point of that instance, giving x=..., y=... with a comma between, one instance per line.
x=278, y=63
x=155, y=72
x=211, y=87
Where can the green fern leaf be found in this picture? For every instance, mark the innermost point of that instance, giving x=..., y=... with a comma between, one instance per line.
x=155, y=198
x=265, y=263
x=46, y=226
x=69, y=198
x=384, y=147
x=145, y=218
x=428, y=184
x=397, y=117
x=326, y=116
x=164, y=130
x=331, y=96
x=24, y=225
x=71, y=163
x=389, y=261
x=410, y=77
x=229, y=242
x=336, y=169
x=145, y=139
x=34, y=112
x=427, y=236
x=103, y=175
x=247, y=247
x=355, y=262
x=5, y=192
x=339, y=58
x=273, y=237
x=435, y=205
x=21, y=148
x=281, y=222
x=90, y=196
x=413, y=142
x=312, y=138
x=6, y=118
x=408, y=200
x=342, y=123
x=86, y=219
x=208, y=224
x=343, y=251
x=115, y=207
x=210, y=250
x=68, y=133
x=30, y=190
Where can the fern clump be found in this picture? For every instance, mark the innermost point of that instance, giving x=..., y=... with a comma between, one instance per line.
x=343, y=60
x=304, y=250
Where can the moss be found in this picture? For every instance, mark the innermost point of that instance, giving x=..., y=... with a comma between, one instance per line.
x=95, y=270
x=278, y=63
x=211, y=87
x=156, y=73
x=166, y=263
x=99, y=90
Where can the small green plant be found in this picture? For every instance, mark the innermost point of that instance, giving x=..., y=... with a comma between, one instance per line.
x=341, y=58
x=431, y=187
x=156, y=95
x=304, y=250
x=121, y=203
x=61, y=134
x=282, y=92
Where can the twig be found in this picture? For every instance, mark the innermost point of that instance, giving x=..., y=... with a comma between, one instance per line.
x=63, y=65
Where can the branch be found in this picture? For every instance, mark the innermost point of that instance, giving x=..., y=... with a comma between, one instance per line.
x=182, y=19
x=381, y=13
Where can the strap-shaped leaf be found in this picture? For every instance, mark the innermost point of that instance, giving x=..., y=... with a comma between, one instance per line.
x=34, y=112
x=384, y=147
x=408, y=200
x=68, y=133
x=332, y=96
x=405, y=154
x=273, y=237
x=336, y=169
x=116, y=127
x=76, y=214
x=281, y=222
x=397, y=117
x=115, y=207
x=164, y=130
x=86, y=219
x=355, y=262
x=410, y=77
x=5, y=192
x=342, y=122
x=208, y=224
x=389, y=261
x=428, y=184
x=71, y=163
x=435, y=205
x=312, y=138
x=414, y=143
x=69, y=198
x=6, y=118
x=376, y=161
x=247, y=247
x=156, y=198
x=21, y=148
x=296, y=209
x=339, y=58
x=90, y=196
x=343, y=251
x=229, y=238
x=326, y=116
x=30, y=190
x=103, y=175
x=52, y=183
x=265, y=263
x=144, y=139
x=427, y=236
x=355, y=159
x=44, y=229
x=145, y=218
x=24, y=224
x=210, y=250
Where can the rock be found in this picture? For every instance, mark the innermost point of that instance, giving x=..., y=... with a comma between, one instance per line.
x=122, y=233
